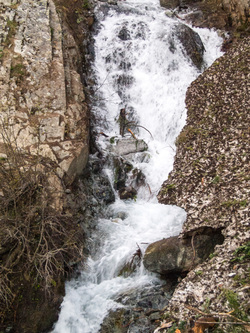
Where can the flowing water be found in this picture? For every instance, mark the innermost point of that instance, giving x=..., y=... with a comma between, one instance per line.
x=136, y=67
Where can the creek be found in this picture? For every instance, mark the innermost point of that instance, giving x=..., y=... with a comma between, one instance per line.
x=141, y=65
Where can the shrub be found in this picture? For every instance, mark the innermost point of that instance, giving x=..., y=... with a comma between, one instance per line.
x=36, y=240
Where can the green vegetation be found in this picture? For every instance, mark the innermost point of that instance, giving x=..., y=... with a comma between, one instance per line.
x=233, y=302
x=18, y=70
x=241, y=280
x=185, y=135
x=79, y=19
x=181, y=326
x=170, y=186
x=216, y=180
x=189, y=134
x=86, y=4
x=242, y=254
x=80, y=11
x=167, y=189
x=12, y=25
x=238, y=203
x=112, y=140
x=206, y=305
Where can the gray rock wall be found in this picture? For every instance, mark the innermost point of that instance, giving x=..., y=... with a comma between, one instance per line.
x=43, y=147
x=42, y=103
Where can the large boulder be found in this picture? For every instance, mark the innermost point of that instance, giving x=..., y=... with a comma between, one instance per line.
x=139, y=310
x=121, y=170
x=128, y=146
x=170, y=4
x=191, y=42
x=219, y=14
x=127, y=179
x=127, y=192
x=178, y=255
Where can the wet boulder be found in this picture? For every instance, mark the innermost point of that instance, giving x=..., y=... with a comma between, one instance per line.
x=121, y=170
x=114, y=322
x=103, y=191
x=124, y=34
x=110, y=2
x=127, y=192
x=125, y=80
x=140, y=310
x=125, y=175
x=191, y=42
x=178, y=255
x=128, y=146
x=170, y=4
x=139, y=179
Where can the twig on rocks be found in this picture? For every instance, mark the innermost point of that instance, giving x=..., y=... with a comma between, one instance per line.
x=220, y=314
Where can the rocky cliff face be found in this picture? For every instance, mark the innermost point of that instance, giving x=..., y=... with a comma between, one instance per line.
x=44, y=134
x=42, y=102
x=210, y=181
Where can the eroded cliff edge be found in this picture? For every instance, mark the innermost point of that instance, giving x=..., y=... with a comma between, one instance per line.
x=210, y=180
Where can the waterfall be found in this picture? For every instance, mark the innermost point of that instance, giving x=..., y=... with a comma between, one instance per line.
x=140, y=65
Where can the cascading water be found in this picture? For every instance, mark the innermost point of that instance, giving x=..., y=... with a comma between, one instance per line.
x=140, y=66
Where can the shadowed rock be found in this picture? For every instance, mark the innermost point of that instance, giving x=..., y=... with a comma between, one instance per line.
x=170, y=4
x=124, y=34
x=191, y=43
x=127, y=192
x=174, y=255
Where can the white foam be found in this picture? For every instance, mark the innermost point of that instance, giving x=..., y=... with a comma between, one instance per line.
x=160, y=79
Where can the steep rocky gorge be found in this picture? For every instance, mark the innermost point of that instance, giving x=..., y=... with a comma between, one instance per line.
x=44, y=112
